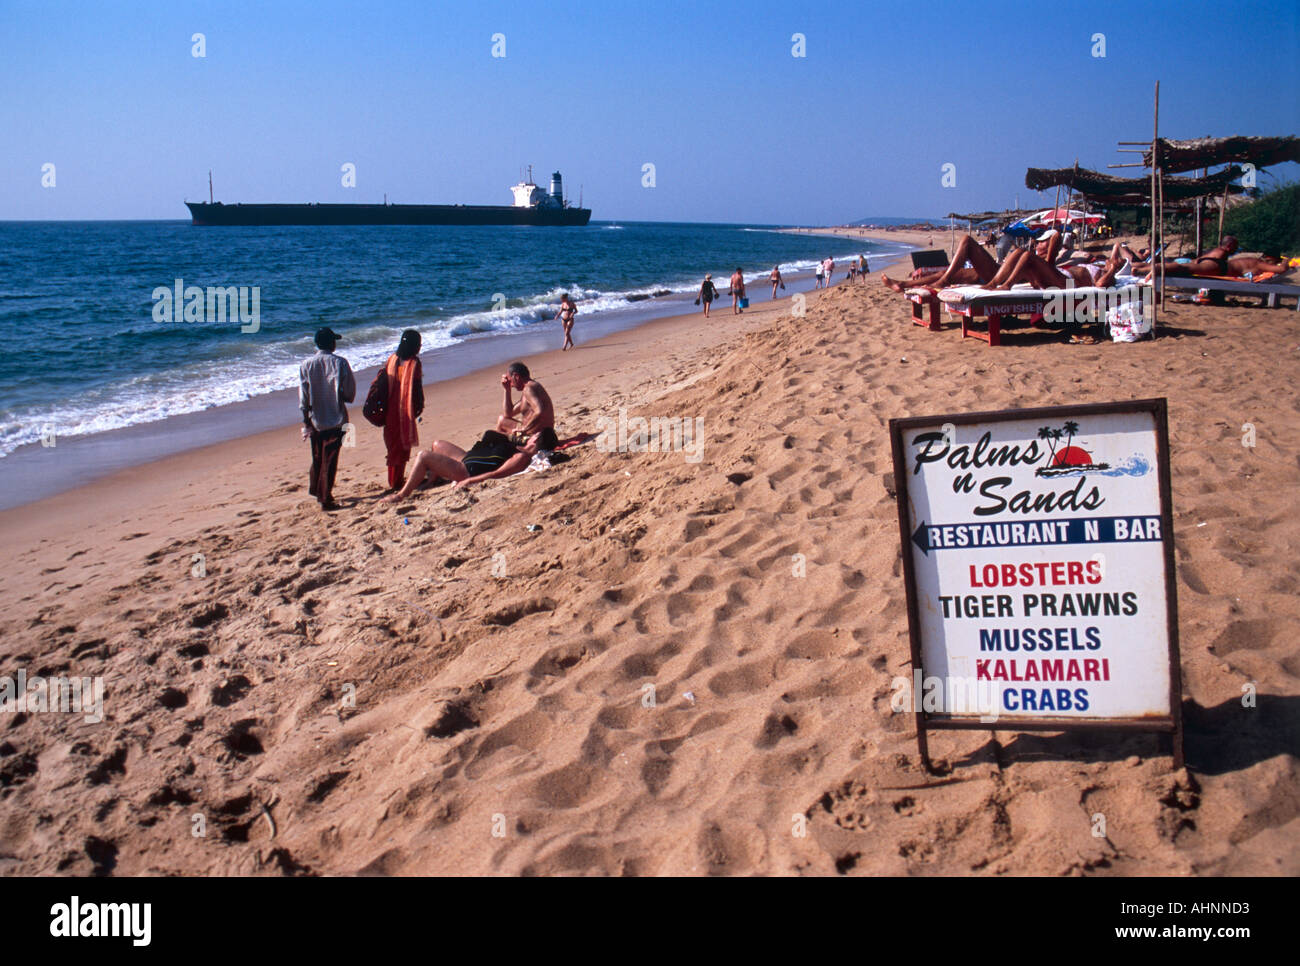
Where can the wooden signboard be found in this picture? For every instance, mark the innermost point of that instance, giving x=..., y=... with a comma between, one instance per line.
x=1038, y=556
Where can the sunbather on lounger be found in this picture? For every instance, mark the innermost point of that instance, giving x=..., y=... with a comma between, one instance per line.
x=1214, y=262
x=983, y=268
x=1212, y=266
x=1026, y=266
x=1239, y=266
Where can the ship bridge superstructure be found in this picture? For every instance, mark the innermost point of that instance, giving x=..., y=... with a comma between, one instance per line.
x=530, y=195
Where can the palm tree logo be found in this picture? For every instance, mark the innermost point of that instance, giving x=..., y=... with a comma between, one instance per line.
x=1051, y=435
x=1070, y=427
x=1067, y=458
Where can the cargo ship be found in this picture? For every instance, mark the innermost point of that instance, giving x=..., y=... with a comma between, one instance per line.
x=532, y=206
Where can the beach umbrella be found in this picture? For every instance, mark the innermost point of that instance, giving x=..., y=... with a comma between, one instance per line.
x=1056, y=216
x=1018, y=230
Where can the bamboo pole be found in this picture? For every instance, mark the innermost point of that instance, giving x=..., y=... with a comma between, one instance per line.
x=1160, y=185
x=1223, y=207
x=1069, y=193
x=1155, y=212
x=1200, y=215
x=1155, y=164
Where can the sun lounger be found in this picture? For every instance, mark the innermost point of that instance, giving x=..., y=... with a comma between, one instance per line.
x=921, y=299
x=973, y=303
x=1268, y=290
x=930, y=258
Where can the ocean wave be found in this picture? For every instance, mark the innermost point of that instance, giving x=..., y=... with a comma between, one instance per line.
x=237, y=370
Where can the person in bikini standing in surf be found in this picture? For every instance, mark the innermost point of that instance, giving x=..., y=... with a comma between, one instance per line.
x=567, y=311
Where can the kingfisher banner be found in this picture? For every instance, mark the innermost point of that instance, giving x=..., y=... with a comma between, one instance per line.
x=1038, y=559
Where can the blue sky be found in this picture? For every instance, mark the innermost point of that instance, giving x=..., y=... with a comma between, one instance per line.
x=738, y=129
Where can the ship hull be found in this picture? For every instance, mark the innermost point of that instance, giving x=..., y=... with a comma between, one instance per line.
x=265, y=215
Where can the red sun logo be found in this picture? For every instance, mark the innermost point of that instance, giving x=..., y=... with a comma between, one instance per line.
x=1072, y=456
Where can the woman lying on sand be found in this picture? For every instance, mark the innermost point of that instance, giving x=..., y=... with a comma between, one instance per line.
x=492, y=457
x=523, y=428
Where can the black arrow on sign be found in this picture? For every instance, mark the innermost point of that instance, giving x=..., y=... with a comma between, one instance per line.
x=922, y=538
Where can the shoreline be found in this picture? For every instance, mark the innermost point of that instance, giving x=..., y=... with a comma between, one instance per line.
x=938, y=238
x=26, y=472
x=458, y=407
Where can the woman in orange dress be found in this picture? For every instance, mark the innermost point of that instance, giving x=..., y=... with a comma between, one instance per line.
x=405, y=403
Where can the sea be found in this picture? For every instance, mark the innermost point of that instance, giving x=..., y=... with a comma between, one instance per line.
x=95, y=339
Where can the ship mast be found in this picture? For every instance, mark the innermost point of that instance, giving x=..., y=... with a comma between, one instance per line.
x=209, y=186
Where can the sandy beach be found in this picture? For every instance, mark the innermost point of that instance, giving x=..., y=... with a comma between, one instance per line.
x=617, y=666
x=901, y=236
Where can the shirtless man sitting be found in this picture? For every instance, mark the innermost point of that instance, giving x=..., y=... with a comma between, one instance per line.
x=532, y=418
x=528, y=424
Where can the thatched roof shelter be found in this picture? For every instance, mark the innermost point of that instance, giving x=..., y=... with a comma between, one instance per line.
x=980, y=217
x=1108, y=189
x=1211, y=152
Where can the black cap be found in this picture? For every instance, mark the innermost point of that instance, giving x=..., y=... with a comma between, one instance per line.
x=326, y=337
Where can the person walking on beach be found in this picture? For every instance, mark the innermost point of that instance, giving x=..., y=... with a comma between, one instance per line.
x=863, y=267
x=821, y=273
x=405, y=378
x=829, y=267
x=708, y=292
x=776, y=280
x=737, y=291
x=567, y=311
x=325, y=383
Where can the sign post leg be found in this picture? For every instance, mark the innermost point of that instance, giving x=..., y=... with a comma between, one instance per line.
x=923, y=744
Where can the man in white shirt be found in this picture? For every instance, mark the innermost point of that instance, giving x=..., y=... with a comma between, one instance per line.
x=325, y=383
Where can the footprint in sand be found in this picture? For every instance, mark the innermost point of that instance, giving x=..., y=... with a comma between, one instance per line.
x=230, y=690
x=556, y=663
x=321, y=787
x=107, y=767
x=210, y=615
x=173, y=699
x=242, y=740
x=775, y=728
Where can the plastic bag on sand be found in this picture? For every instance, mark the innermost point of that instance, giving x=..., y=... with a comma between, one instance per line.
x=1127, y=322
